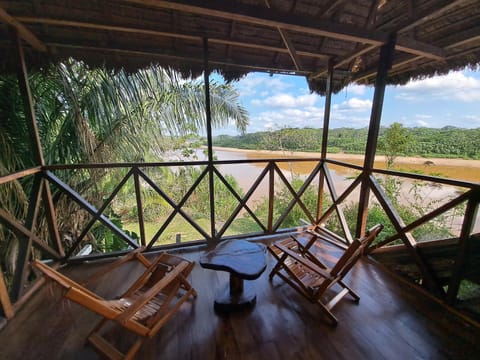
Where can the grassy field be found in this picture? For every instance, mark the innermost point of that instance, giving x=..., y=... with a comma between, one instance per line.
x=180, y=228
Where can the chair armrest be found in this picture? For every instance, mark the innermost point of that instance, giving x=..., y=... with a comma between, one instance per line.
x=91, y=302
x=61, y=279
x=305, y=262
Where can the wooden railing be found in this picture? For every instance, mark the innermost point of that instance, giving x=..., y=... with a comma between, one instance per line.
x=47, y=178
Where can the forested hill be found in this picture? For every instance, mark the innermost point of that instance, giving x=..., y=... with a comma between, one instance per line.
x=427, y=142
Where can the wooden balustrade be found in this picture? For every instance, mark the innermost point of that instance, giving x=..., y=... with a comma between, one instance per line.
x=27, y=230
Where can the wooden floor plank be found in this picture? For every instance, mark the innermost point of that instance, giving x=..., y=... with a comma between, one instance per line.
x=391, y=321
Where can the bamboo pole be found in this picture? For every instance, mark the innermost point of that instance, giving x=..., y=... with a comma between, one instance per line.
x=326, y=127
x=385, y=63
x=463, y=247
x=208, y=114
x=35, y=141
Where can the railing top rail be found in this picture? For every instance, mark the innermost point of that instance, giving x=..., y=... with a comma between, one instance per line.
x=20, y=174
x=435, y=179
x=171, y=163
x=415, y=176
x=344, y=164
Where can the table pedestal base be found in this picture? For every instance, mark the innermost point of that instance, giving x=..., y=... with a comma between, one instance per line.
x=238, y=296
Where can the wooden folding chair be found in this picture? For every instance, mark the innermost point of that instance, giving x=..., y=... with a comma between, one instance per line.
x=143, y=309
x=305, y=272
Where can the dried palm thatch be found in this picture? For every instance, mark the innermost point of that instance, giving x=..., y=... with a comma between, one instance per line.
x=278, y=36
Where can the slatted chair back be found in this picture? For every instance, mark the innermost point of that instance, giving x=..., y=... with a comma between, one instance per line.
x=354, y=252
x=300, y=267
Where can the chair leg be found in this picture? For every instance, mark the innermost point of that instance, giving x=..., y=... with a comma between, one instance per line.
x=352, y=293
x=274, y=271
x=107, y=349
x=104, y=347
x=278, y=266
x=133, y=350
x=97, y=327
x=328, y=313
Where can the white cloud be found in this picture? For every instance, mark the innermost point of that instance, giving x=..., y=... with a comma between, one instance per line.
x=354, y=104
x=472, y=120
x=472, y=117
x=423, y=116
x=455, y=86
x=339, y=119
x=255, y=83
x=422, y=123
x=355, y=89
x=287, y=117
x=418, y=120
x=288, y=101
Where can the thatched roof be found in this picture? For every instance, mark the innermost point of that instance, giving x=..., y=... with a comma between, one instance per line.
x=278, y=36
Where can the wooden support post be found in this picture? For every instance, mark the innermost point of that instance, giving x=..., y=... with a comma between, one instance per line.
x=326, y=113
x=25, y=248
x=326, y=127
x=52, y=217
x=25, y=243
x=4, y=298
x=463, y=247
x=35, y=140
x=271, y=196
x=22, y=75
x=138, y=196
x=386, y=59
x=208, y=114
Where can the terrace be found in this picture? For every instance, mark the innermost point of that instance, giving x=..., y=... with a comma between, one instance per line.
x=373, y=42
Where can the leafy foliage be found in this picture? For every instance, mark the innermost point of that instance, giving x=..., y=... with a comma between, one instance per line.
x=445, y=142
x=99, y=116
x=394, y=142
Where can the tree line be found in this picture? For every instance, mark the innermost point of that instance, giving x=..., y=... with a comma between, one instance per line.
x=449, y=141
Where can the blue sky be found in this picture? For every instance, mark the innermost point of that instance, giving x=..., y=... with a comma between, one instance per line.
x=278, y=101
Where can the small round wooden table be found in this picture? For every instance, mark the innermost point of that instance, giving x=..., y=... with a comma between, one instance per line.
x=244, y=260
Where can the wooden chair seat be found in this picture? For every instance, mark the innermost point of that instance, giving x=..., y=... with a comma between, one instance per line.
x=299, y=267
x=148, y=310
x=143, y=309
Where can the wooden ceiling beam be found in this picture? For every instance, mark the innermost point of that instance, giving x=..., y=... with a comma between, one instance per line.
x=24, y=33
x=419, y=19
x=288, y=44
x=468, y=36
x=396, y=66
x=344, y=61
x=464, y=52
x=187, y=58
x=368, y=74
x=330, y=7
x=308, y=25
x=139, y=31
x=415, y=47
x=359, y=49
x=291, y=49
x=428, y=14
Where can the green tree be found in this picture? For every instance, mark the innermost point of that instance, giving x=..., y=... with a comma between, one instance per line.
x=98, y=115
x=394, y=142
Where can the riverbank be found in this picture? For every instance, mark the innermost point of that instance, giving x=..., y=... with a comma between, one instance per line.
x=460, y=169
x=359, y=157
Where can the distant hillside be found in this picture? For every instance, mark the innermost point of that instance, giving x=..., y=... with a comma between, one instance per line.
x=427, y=142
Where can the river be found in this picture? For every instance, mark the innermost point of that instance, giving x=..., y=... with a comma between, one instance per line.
x=429, y=194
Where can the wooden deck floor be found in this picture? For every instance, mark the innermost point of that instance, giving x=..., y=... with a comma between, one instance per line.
x=392, y=321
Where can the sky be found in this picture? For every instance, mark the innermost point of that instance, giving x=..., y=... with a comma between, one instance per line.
x=278, y=101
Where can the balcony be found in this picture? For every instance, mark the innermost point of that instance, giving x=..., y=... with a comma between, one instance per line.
x=432, y=262
x=393, y=320
x=333, y=44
